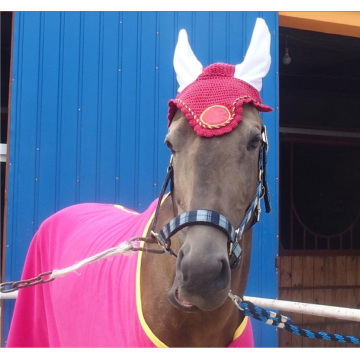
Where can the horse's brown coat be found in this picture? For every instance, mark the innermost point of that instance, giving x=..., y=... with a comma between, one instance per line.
x=220, y=174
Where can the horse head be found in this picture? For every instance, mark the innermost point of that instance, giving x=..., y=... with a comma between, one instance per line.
x=215, y=134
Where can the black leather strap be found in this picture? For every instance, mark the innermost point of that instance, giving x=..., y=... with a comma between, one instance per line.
x=168, y=177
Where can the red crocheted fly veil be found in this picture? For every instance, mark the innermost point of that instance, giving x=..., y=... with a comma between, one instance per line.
x=213, y=103
x=212, y=98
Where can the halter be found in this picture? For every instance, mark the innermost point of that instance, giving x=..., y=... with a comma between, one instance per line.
x=213, y=218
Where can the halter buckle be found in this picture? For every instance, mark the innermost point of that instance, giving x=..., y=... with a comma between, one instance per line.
x=231, y=246
x=165, y=246
x=258, y=211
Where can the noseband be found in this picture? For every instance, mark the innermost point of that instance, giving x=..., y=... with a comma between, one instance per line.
x=213, y=218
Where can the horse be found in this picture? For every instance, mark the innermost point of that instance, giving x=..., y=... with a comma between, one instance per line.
x=216, y=172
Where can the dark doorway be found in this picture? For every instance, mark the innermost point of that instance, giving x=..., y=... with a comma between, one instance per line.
x=319, y=226
x=319, y=139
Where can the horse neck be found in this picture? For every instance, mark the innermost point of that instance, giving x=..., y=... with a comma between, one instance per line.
x=177, y=328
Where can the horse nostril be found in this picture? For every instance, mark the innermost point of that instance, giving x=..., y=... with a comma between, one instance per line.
x=179, y=265
x=224, y=273
x=224, y=267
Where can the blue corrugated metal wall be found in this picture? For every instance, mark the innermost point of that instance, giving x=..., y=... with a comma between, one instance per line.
x=89, y=115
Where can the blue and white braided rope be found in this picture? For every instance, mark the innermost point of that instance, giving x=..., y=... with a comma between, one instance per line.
x=283, y=322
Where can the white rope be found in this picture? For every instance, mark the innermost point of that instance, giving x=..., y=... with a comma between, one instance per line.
x=125, y=248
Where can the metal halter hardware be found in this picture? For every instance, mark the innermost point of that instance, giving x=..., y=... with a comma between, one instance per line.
x=213, y=218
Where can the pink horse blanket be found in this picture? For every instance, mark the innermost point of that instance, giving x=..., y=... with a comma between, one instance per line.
x=102, y=302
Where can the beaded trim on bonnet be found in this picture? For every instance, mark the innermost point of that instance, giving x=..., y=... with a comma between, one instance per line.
x=213, y=103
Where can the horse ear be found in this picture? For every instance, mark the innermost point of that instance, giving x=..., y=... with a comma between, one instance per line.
x=257, y=59
x=187, y=66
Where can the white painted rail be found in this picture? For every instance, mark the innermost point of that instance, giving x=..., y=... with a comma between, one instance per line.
x=8, y=296
x=308, y=309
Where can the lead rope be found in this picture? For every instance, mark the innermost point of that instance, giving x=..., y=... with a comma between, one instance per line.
x=284, y=322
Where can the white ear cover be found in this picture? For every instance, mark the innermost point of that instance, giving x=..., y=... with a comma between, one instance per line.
x=187, y=66
x=257, y=60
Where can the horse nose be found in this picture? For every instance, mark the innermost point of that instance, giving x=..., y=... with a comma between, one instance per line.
x=199, y=267
x=203, y=271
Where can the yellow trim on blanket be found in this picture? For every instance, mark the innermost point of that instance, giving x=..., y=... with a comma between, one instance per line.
x=241, y=328
x=126, y=210
x=144, y=325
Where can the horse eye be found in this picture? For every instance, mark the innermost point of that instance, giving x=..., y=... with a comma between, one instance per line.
x=254, y=143
x=169, y=145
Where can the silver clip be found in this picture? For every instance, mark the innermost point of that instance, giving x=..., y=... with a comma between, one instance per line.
x=236, y=299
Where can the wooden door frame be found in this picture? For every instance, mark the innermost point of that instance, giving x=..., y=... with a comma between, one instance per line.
x=339, y=23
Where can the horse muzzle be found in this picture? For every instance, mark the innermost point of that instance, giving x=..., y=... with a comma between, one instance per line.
x=203, y=274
